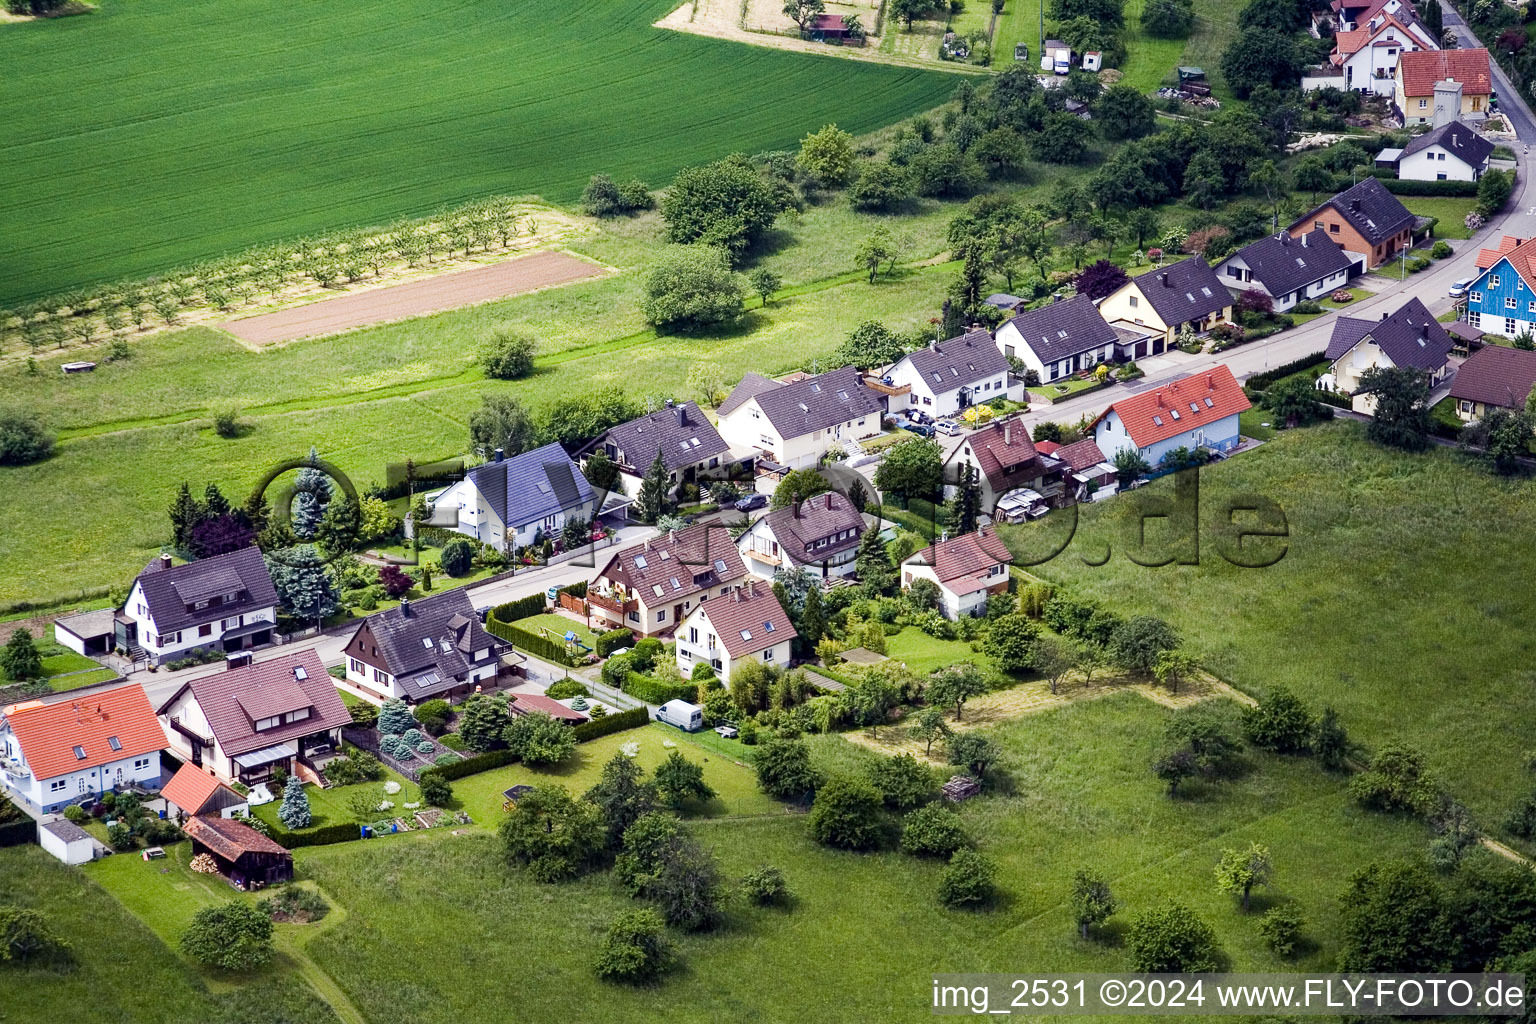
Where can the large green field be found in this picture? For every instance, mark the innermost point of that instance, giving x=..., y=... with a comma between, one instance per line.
x=192, y=128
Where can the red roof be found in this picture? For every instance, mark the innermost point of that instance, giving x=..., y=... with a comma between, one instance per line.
x=1521, y=256
x=1047, y=447
x=1180, y=407
x=229, y=838
x=1488, y=257
x=749, y=620
x=1421, y=69
x=1081, y=455
x=965, y=564
x=53, y=737
x=532, y=703
x=192, y=789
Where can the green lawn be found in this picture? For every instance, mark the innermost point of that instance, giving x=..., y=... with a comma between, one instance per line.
x=406, y=108
x=1412, y=533
x=923, y=653
x=558, y=626
x=332, y=806
x=1060, y=390
x=120, y=968
x=1452, y=211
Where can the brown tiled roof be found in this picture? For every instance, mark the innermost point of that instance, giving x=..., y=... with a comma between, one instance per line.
x=682, y=563
x=530, y=703
x=50, y=734
x=273, y=687
x=749, y=620
x=229, y=838
x=1495, y=375
x=820, y=517
x=1081, y=455
x=1422, y=69
x=963, y=564
x=1005, y=453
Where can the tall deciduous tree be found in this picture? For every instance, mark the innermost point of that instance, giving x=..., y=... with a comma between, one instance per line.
x=1401, y=419
x=826, y=157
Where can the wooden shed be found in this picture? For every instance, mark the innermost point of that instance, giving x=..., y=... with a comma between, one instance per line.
x=246, y=857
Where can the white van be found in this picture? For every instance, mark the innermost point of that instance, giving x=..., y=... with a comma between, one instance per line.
x=687, y=717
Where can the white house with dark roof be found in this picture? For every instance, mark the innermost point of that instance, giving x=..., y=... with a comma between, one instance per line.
x=820, y=535
x=968, y=570
x=1452, y=152
x=1287, y=269
x=689, y=445
x=748, y=625
x=1157, y=304
x=224, y=603
x=244, y=723
x=1060, y=339
x=424, y=649
x=651, y=587
x=528, y=496
x=1410, y=337
x=794, y=424
x=946, y=377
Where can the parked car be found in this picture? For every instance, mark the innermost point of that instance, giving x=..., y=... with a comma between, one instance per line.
x=553, y=593
x=949, y=427
x=920, y=429
x=751, y=502
x=918, y=416
x=1459, y=288
x=727, y=731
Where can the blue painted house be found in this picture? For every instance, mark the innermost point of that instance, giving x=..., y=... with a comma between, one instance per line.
x=1199, y=411
x=1502, y=300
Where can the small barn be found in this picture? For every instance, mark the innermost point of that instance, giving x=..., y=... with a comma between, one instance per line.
x=246, y=857
x=829, y=27
x=67, y=841
x=194, y=792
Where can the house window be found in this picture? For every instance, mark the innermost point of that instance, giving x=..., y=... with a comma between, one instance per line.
x=357, y=666
x=1333, y=229
x=727, y=590
x=299, y=715
x=768, y=654
x=1135, y=302
x=1423, y=104
x=1493, y=280
x=206, y=629
x=1466, y=406
x=634, y=616
x=57, y=785
x=1475, y=297
x=380, y=676
x=661, y=616
x=1475, y=320
x=268, y=723
x=1440, y=176
x=140, y=763
x=1509, y=302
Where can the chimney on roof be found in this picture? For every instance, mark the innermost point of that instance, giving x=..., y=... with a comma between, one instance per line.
x=682, y=415
x=165, y=560
x=500, y=454
x=1055, y=298
x=239, y=659
x=795, y=509
x=405, y=607
x=669, y=403
x=1383, y=316
x=829, y=501
x=1007, y=432
x=1162, y=279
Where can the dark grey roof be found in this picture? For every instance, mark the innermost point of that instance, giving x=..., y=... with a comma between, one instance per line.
x=958, y=362
x=67, y=830
x=531, y=486
x=1369, y=208
x=1347, y=332
x=1064, y=329
x=1187, y=290
x=432, y=641
x=1284, y=264
x=170, y=593
x=816, y=403
x=1409, y=337
x=752, y=385
x=682, y=433
x=1459, y=140
x=818, y=520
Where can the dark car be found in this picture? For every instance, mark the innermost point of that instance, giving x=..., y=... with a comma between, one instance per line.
x=751, y=502
x=921, y=429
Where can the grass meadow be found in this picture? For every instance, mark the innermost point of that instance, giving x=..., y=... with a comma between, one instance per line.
x=370, y=113
x=1402, y=599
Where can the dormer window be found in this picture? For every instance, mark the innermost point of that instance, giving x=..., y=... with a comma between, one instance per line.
x=263, y=724
x=297, y=716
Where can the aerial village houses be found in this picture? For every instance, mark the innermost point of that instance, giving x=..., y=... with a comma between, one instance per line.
x=1367, y=221
x=946, y=377
x=1493, y=377
x=1410, y=337
x=1158, y=303
x=61, y=753
x=794, y=424
x=246, y=722
x=519, y=499
x=1348, y=15
x=224, y=603
x=1092, y=476
x=651, y=587
x=1198, y=411
x=1420, y=96
x=819, y=535
x=1006, y=464
x=968, y=570
x=1287, y=269
x=689, y=445
x=193, y=791
x=1452, y=152
x=426, y=649
x=1502, y=299
x=1365, y=58
x=1059, y=339
x=748, y=625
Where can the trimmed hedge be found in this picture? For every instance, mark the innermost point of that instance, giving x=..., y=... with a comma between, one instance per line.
x=613, y=640
x=522, y=608
x=1260, y=381
x=534, y=644
x=1403, y=187
x=653, y=691
x=617, y=721
x=577, y=589
x=18, y=833
x=325, y=835
x=473, y=765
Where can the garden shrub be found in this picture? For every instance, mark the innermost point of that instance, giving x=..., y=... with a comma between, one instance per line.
x=613, y=640
x=446, y=757
x=75, y=813
x=645, y=653
x=432, y=714
x=655, y=691
x=1441, y=250
x=847, y=813
x=566, y=688
x=968, y=880
x=357, y=766
x=395, y=717
x=396, y=748
x=1308, y=306
x=425, y=747
x=364, y=715
x=933, y=831
x=609, y=724
x=766, y=887
x=411, y=736
x=120, y=836
x=457, y=557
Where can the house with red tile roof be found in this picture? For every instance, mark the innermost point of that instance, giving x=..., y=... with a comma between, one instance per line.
x=748, y=625
x=194, y=791
x=54, y=754
x=651, y=587
x=1198, y=411
x=244, y=723
x=247, y=858
x=1502, y=298
x=538, y=704
x=1003, y=460
x=1368, y=56
x=968, y=569
x=1421, y=74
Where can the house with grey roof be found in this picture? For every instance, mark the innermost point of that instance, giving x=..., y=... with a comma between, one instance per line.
x=425, y=649
x=689, y=445
x=947, y=376
x=1287, y=269
x=224, y=603
x=1367, y=221
x=795, y=423
x=1410, y=337
x=1157, y=305
x=522, y=499
x=1451, y=152
x=1060, y=339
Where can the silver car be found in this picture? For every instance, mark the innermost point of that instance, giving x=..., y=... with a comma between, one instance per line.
x=1459, y=288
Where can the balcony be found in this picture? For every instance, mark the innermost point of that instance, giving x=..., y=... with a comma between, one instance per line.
x=615, y=608
x=13, y=769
